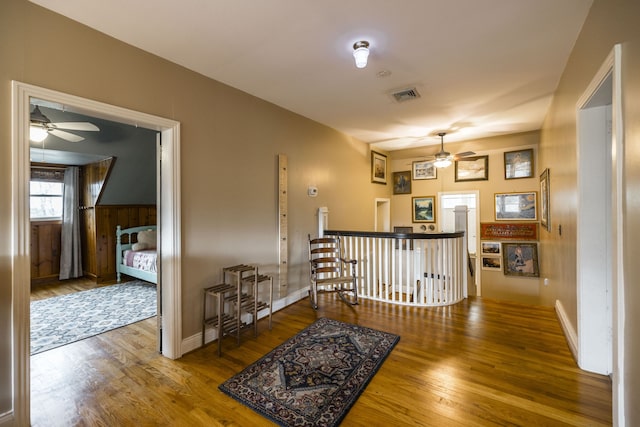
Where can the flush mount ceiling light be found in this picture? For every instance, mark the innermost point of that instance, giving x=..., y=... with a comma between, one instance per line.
x=361, y=53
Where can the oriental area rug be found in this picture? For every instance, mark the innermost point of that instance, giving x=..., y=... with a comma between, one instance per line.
x=64, y=319
x=314, y=378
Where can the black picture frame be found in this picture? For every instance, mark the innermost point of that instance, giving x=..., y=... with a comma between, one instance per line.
x=402, y=182
x=474, y=168
x=518, y=164
x=520, y=259
x=378, y=168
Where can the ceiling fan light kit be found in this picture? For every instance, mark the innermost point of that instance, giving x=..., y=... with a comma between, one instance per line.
x=37, y=134
x=442, y=162
x=361, y=53
x=443, y=158
x=41, y=127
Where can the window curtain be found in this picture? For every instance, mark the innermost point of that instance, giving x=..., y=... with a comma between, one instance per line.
x=70, y=251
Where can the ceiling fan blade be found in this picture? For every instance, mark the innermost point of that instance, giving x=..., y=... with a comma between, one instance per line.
x=84, y=126
x=464, y=154
x=66, y=135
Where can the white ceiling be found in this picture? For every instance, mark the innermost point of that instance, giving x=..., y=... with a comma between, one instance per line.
x=482, y=67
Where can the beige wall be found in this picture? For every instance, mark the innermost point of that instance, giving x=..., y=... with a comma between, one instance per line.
x=229, y=147
x=609, y=22
x=227, y=133
x=494, y=284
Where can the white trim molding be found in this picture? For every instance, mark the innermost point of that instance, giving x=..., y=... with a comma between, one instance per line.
x=169, y=214
x=569, y=332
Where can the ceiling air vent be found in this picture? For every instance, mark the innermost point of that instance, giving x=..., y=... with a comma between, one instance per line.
x=406, y=95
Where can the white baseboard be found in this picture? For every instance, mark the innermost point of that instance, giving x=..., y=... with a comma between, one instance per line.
x=195, y=341
x=569, y=332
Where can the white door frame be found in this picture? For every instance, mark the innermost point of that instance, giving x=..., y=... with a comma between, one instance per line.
x=169, y=225
x=476, y=193
x=601, y=326
x=382, y=213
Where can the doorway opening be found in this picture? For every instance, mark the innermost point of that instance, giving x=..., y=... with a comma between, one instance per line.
x=168, y=222
x=84, y=182
x=447, y=201
x=600, y=233
x=382, y=213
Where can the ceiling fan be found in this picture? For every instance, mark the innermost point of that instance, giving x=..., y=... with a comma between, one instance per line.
x=41, y=127
x=444, y=158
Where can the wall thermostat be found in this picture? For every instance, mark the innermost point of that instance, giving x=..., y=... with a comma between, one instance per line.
x=312, y=191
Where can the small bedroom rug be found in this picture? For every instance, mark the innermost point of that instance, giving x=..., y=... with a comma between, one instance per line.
x=68, y=318
x=315, y=377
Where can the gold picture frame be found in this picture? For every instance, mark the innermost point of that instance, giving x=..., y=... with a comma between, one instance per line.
x=516, y=206
x=423, y=209
x=424, y=169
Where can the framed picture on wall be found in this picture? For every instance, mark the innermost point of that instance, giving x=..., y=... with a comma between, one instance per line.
x=424, y=170
x=472, y=169
x=378, y=168
x=517, y=206
x=492, y=263
x=544, y=200
x=490, y=248
x=423, y=209
x=402, y=182
x=518, y=164
x=520, y=259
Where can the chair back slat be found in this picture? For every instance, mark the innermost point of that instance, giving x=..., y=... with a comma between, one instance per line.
x=328, y=268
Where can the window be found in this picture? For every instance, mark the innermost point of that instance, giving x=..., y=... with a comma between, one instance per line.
x=45, y=190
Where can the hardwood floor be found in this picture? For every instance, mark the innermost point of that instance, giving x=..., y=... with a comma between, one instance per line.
x=55, y=289
x=480, y=362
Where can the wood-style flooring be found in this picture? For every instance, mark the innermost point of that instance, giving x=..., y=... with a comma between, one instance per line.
x=479, y=362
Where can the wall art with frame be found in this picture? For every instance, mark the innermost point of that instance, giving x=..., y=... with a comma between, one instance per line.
x=490, y=248
x=493, y=263
x=424, y=170
x=378, y=168
x=472, y=169
x=518, y=164
x=520, y=259
x=423, y=209
x=402, y=182
x=516, y=206
x=544, y=200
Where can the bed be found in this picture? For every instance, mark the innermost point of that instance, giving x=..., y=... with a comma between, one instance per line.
x=136, y=253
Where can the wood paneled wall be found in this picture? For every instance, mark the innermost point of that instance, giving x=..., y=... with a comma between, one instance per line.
x=45, y=251
x=94, y=176
x=99, y=248
x=98, y=229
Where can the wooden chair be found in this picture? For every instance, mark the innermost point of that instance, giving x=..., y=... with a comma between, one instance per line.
x=330, y=271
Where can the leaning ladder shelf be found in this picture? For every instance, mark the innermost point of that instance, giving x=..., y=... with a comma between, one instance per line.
x=236, y=300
